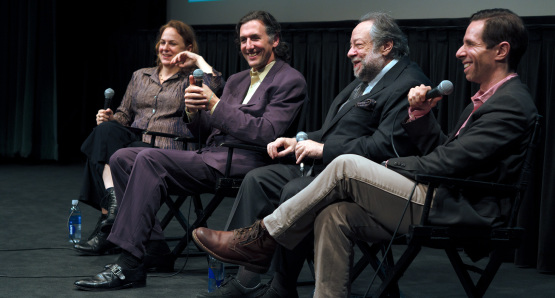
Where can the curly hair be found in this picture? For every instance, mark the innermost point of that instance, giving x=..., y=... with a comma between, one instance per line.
x=273, y=29
x=385, y=29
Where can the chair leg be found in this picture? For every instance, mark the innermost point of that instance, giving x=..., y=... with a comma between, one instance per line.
x=202, y=217
x=174, y=211
x=489, y=272
x=387, y=286
x=486, y=276
x=369, y=257
x=462, y=273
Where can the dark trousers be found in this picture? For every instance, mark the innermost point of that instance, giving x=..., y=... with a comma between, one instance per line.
x=104, y=140
x=143, y=178
x=261, y=192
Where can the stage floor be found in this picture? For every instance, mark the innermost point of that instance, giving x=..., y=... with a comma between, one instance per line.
x=37, y=260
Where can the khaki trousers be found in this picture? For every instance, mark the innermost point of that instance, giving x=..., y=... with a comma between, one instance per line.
x=352, y=198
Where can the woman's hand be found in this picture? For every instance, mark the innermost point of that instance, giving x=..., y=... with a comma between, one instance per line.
x=191, y=60
x=104, y=115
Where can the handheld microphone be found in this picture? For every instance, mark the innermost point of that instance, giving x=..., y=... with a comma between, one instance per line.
x=198, y=76
x=108, y=94
x=444, y=88
x=301, y=136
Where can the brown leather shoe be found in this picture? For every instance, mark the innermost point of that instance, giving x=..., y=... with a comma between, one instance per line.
x=251, y=247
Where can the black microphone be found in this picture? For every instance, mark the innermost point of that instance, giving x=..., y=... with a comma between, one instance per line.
x=444, y=88
x=198, y=76
x=108, y=94
x=301, y=136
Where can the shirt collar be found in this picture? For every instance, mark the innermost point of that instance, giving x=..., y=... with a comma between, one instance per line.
x=380, y=75
x=155, y=71
x=484, y=96
x=262, y=74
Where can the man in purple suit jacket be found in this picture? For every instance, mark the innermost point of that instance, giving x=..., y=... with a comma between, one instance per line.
x=256, y=107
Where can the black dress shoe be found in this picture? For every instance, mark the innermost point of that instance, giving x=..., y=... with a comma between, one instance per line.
x=97, y=245
x=114, y=278
x=152, y=263
x=159, y=263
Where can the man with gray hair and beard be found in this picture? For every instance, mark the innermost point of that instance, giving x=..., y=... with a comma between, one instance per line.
x=364, y=119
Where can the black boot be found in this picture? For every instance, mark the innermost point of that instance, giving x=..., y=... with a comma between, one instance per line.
x=109, y=203
x=99, y=222
x=97, y=245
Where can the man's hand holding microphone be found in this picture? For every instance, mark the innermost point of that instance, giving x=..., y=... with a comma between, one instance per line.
x=198, y=96
x=301, y=145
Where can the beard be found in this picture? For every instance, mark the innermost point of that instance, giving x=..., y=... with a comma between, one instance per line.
x=371, y=65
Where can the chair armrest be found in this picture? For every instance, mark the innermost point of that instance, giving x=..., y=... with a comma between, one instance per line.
x=154, y=134
x=232, y=146
x=464, y=183
x=163, y=134
x=245, y=147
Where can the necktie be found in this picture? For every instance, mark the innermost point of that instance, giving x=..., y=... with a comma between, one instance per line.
x=359, y=90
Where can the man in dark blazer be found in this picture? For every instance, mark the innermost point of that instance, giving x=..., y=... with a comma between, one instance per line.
x=364, y=119
x=356, y=198
x=250, y=111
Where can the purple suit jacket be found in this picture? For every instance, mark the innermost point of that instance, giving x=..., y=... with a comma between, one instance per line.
x=271, y=112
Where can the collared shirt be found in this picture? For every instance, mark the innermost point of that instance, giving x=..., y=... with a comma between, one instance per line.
x=479, y=96
x=149, y=104
x=256, y=78
x=370, y=84
x=380, y=75
x=482, y=96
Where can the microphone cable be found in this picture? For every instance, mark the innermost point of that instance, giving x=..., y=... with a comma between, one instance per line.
x=392, y=131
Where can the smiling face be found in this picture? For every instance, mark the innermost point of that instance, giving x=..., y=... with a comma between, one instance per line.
x=479, y=62
x=256, y=46
x=367, y=61
x=171, y=43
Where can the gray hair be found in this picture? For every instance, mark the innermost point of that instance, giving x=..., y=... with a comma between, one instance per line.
x=386, y=29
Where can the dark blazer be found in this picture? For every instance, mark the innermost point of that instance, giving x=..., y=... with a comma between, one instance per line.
x=270, y=113
x=491, y=147
x=366, y=124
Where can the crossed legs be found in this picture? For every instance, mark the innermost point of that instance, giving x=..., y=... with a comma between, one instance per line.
x=380, y=193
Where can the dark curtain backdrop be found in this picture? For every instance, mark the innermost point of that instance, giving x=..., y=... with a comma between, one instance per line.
x=57, y=62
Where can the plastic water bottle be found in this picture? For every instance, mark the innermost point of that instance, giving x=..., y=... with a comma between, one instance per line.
x=74, y=222
x=215, y=273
